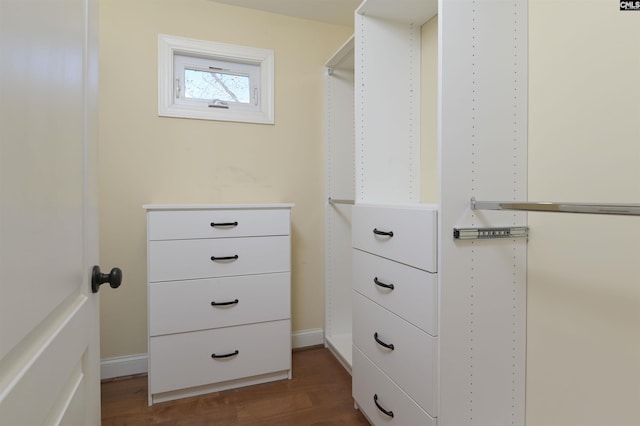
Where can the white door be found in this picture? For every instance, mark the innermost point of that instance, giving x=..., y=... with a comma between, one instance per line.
x=49, y=342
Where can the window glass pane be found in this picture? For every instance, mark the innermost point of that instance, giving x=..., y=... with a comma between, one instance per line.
x=212, y=85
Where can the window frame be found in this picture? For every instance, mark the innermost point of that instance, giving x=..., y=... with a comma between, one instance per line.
x=170, y=46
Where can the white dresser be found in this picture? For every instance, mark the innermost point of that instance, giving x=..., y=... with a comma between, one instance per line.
x=219, y=299
x=395, y=314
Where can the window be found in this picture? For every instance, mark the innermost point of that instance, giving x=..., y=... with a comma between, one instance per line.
x=206, y=82
x=214, y=81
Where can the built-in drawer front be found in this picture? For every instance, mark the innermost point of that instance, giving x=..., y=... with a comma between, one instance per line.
x=405, y=353
x=405, y=234
x=175, y=225
x=193, y=359
x=171, y=260
x=179, y=306
x=374, y=392
x=409, y=292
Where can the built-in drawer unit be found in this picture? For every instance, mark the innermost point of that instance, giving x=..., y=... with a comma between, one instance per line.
x=219, y=313
x=404, y=352
x=382, y=400
x=395, y=313
x=404, y=234
x=409, y=292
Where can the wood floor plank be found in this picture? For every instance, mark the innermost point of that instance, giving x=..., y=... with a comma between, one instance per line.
x=319, y=394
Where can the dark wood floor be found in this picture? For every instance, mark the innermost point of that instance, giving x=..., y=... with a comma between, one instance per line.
x=319, y=394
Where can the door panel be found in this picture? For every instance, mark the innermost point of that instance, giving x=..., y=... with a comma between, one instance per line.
x=41, y=162
x=49, y=342
x=46, y=364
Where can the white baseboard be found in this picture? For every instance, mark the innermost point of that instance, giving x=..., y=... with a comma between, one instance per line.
x=305, y=338
x=123, y=366
x=137, y=364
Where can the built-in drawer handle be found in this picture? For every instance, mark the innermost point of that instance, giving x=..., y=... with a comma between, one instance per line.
x=375, y=400
x=377, y=232
x=381, y=284
x=234, y=257
x=380, y=342
x=233, y=302
x=213, y=224
x=236, y=352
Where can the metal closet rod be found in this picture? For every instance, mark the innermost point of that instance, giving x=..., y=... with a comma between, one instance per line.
x=336, y=201
x=558, y=207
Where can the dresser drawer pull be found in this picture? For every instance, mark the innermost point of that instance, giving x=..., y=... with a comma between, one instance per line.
x=233, y=302
x=381, y=343
x=234, y=257
x=236, y=352
x=381, y=284
x=375, y=400
x=377, y=232
x=213, y=224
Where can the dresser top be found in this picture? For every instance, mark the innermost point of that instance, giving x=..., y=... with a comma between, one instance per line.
x=152, y=207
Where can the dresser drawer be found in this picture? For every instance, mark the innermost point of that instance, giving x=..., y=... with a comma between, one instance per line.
x=411, y=364
x=175, y=225
x=179, y=306
x=405, y=234
x=369, y=383
x=173, y=260
x=185, y=360
x=414, y=295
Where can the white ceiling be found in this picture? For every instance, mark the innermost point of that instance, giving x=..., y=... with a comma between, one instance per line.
x=339, y=12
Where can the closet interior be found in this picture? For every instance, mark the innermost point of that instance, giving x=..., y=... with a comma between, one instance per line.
x=426, y=108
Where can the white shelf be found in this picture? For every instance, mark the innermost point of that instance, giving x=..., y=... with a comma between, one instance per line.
x=341, y=345
x=345, y=52
x=410, y=11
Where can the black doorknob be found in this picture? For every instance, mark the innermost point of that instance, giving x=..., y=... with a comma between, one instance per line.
x=114, y=278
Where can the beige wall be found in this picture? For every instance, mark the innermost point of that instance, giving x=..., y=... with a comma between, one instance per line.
x=583, y=342
x=147, y=159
